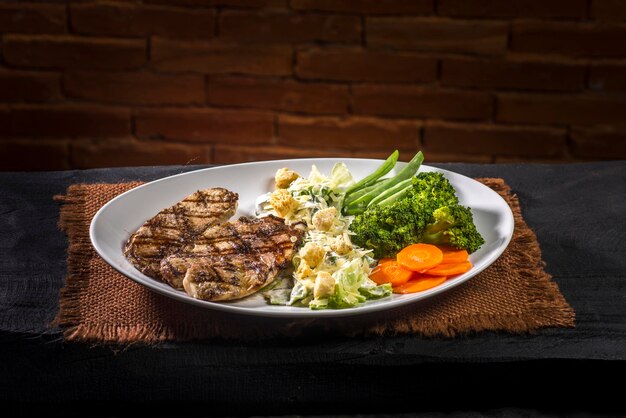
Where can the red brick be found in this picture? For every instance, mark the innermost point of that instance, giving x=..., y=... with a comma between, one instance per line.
x=436, y=34
x=578, y=40
x=512, y=74
x=405, y=101
x=205, y=125
x=220, y=58
x=237, y=4
x=284, y=95
x=372, y=7
x=225, y=154
x=251, y=4
x=350, y=133
x=24, y=86
x=33, y=155
x=204, y=3
x=64, y=121
x=610, y=10
x=599, y=142
x=405, y=153
x=562, y=9
x=607, y=77
x=355, y=64
x=289, y=28
x=121, y=153
x=32, y=18
x=582, y=109
x=118, y=19
x=73, y=52
x=454, y=138
x=142, y=88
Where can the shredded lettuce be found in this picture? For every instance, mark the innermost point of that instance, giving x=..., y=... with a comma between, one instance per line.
x=279, y=292
x=318, y=304
x=353, y=286
x=374, y=291
x=299, y=294
x=348, y=264
x=340, y=178
x=347, y=283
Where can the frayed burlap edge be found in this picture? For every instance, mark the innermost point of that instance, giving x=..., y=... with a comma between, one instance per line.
x=74, y=221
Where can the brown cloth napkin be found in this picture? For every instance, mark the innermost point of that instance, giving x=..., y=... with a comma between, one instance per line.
x=98, y=304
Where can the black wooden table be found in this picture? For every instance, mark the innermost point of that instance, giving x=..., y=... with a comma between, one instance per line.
x=578, y=212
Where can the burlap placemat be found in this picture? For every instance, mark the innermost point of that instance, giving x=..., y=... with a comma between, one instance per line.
x=98, y=304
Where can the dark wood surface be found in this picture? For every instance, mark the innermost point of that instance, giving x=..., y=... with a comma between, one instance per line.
x=577, y=211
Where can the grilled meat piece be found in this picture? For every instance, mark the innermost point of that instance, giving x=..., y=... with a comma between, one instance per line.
x=234, y=259
x=177, y=226
x=218, y=278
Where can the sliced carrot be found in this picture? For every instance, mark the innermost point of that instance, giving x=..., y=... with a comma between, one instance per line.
x=390, y=272
x=419, y=284
x=419, y=257
x=427, y=276
x=453, y=255
x=386, y=260
x=450, y=269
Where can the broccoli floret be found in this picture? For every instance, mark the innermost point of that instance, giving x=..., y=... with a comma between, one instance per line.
x=453, y=225
x=388, y=229
x=434, y=189
x=429, y=212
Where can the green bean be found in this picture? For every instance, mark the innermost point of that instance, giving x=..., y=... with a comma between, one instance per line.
x=396, y=196
x=391, y=191
x=406, y=173
x=385, y=167
x=355, y=195
x=354, y=209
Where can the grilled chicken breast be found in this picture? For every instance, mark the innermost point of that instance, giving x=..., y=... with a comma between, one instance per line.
x=234, y=259
x=217, y=278
x=177, y=226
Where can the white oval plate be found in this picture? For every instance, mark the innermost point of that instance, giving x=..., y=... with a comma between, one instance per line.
x=115, y=221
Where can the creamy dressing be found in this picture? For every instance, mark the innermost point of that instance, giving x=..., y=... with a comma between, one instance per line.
x=313, y=199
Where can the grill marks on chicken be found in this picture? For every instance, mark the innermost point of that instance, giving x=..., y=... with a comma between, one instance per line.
x=177, y=226
x=218, y=278
x=191, y=246
x=234, y=259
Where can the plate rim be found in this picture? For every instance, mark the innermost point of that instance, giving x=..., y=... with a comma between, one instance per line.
x=298, y=312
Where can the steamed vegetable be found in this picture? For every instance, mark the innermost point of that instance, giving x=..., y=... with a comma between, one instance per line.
x=452, y=255
x=419, y=284
x=450, y=269
x=428, y=212
x=390, y=272
x=419, y=267
x=453, y=225
x=388, y=229
x=385, y=168
x=419, y=257
x=392, y=191
x=356, y=205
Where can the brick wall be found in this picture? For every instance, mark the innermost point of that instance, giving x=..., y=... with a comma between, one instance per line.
x=107, y=83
